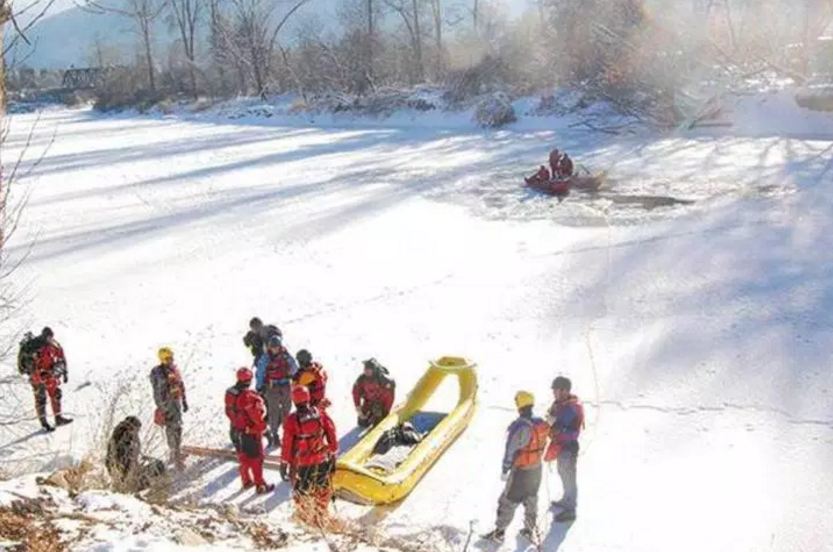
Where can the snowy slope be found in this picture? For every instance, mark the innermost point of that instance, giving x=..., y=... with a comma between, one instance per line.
x=698, y=335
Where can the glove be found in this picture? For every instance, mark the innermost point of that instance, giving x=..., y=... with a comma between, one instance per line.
x=184, y=405
x=284, y=471
x=504, y=476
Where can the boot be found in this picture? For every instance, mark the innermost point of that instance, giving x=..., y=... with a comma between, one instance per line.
x=528, y=534
x=495, y=535
x=62, y=421
x=263, y=489
x=45, y=425
x=566, y=515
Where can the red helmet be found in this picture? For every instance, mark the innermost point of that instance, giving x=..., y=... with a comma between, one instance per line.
x=244, y=375
x=300, y=394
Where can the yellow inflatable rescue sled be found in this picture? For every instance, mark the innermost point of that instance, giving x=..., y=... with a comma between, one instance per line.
x=359, y=477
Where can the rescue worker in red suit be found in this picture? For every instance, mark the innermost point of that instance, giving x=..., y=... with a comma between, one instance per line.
x=566, y=418
x=246, y=412
x=555, y=163
x=312, y=376
x=50, y=369
x=526, y=441
x=308, y=457
x=540, y=178
x=373, y=394
x=565, y=166
x=237, y=423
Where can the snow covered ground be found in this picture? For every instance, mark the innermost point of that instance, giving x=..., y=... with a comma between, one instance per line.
x=698, y=335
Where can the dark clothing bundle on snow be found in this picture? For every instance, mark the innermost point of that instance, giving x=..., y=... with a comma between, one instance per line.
x=401, y=435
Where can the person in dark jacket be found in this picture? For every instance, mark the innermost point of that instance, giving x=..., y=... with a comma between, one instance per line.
x=257, y=338
x=525, y=444
x=128, y=469
x=566, y=419
x=171, y=403
x=373, y=394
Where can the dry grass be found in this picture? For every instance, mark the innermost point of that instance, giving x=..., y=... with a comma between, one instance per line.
x=26, y=523
x=265, y=537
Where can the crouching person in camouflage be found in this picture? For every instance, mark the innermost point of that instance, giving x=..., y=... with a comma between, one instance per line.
x=129, y=470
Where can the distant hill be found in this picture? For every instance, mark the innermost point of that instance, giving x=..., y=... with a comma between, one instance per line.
x=68, y=37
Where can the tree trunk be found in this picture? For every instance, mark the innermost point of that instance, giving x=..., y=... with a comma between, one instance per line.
x=417, y=42
x=2, y=85
x=474, y=14
x=370, y=38
x=436, y=6
x=4, y=17
x=145, y=23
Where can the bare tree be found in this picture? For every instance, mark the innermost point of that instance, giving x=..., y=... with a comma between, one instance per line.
x=187, y=15
x=258, y=23
x=144, y=14
x=409, y=11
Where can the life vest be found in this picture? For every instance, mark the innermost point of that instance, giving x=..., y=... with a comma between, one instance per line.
x=252, y=412
x=533, y=452
x=278, y=371
x=313, y=378
x=49, y=364
x=308, y=443
x=233, y=408
x=176, y=389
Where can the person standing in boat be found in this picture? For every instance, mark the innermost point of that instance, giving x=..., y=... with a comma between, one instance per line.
x=565, y=166
x=555, y=163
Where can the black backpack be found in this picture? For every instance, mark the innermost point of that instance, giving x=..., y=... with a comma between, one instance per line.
x=28, y=352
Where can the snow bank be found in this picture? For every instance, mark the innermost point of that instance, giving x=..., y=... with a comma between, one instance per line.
x=698, y=335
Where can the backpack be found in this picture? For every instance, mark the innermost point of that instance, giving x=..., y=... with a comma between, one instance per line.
x=269, y=331
x=28, y=352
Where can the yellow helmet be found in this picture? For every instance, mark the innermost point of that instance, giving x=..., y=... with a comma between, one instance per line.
x=166, y=354
x=523, y=399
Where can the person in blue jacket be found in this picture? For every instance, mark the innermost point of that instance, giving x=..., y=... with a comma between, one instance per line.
x=274, y=372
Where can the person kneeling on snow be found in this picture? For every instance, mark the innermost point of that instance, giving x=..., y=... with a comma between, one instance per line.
x=566, y=418
x=373, y=394
x=246, y=412
x=129, y=470
x=308, y=457
x=525, y=445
